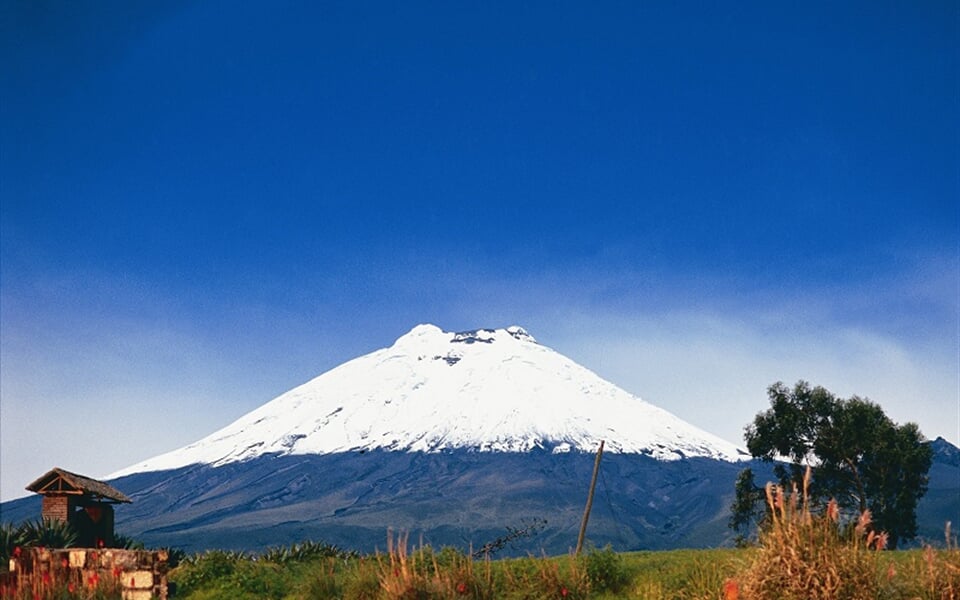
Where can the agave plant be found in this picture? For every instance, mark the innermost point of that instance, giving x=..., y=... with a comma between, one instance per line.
x=11, y=538
x=304, y=551
x=127, y=543
x=51, y=533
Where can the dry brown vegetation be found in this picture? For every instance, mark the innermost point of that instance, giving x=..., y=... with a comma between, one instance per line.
x=810, y=556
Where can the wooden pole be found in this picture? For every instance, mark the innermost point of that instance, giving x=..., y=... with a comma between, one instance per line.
x=586, y=511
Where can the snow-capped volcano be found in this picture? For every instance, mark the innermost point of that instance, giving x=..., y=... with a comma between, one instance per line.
x=432, y=391
x=453, y=438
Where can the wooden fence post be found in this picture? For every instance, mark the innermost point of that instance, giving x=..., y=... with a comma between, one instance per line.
x=586, y=512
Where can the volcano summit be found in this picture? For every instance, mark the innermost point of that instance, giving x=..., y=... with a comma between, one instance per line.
x=489, y=390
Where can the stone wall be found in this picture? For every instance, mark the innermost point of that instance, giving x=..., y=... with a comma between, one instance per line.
x=127, y=574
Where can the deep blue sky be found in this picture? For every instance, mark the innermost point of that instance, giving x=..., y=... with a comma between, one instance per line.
x=205, y=204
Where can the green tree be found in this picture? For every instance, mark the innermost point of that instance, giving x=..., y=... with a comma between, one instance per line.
x=748, y=505
x=859, y=456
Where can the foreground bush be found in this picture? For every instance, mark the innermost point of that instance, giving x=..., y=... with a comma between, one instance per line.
x=807, y=556
x=209, y=569
x=803, y=556
x=605, y=571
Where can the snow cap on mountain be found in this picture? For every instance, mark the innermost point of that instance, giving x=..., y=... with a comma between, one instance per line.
x=485, y=390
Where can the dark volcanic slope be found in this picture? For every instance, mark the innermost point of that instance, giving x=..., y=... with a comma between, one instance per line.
x=456, y=498
x=453, y=498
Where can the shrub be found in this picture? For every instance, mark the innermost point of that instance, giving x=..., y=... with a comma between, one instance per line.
x=362, y=582
x=201, y=569
x=256, y=580
x=605, y=570
x=804, y=556
x=322, y=581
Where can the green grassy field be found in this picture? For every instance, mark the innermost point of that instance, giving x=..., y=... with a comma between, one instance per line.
x=450, y=574
x=599, y=574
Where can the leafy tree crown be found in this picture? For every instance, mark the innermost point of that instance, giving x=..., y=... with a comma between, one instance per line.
x=860, y=457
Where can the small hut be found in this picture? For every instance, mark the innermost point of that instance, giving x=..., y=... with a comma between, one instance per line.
x=84, y=503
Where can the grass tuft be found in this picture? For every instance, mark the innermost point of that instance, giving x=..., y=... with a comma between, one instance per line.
x=809, y=556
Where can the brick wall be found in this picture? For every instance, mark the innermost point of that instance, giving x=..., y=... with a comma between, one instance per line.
x=56, y=507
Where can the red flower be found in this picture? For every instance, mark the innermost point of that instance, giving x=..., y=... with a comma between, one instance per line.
x=17, y=551
x=71, y=588
x=117, y=572
x=731, y=590
x=461, y=588
x=46, y=578
x=564, y=592
x=93, y=580
x=64, y=563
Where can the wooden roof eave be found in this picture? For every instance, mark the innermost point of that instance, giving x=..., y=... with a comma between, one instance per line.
x=74, y=484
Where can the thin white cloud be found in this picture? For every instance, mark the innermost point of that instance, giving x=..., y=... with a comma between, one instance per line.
x=714, y=371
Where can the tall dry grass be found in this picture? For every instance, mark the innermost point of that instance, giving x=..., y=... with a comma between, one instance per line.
x=805, y=555
x=410, y=575
x=934, y=575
